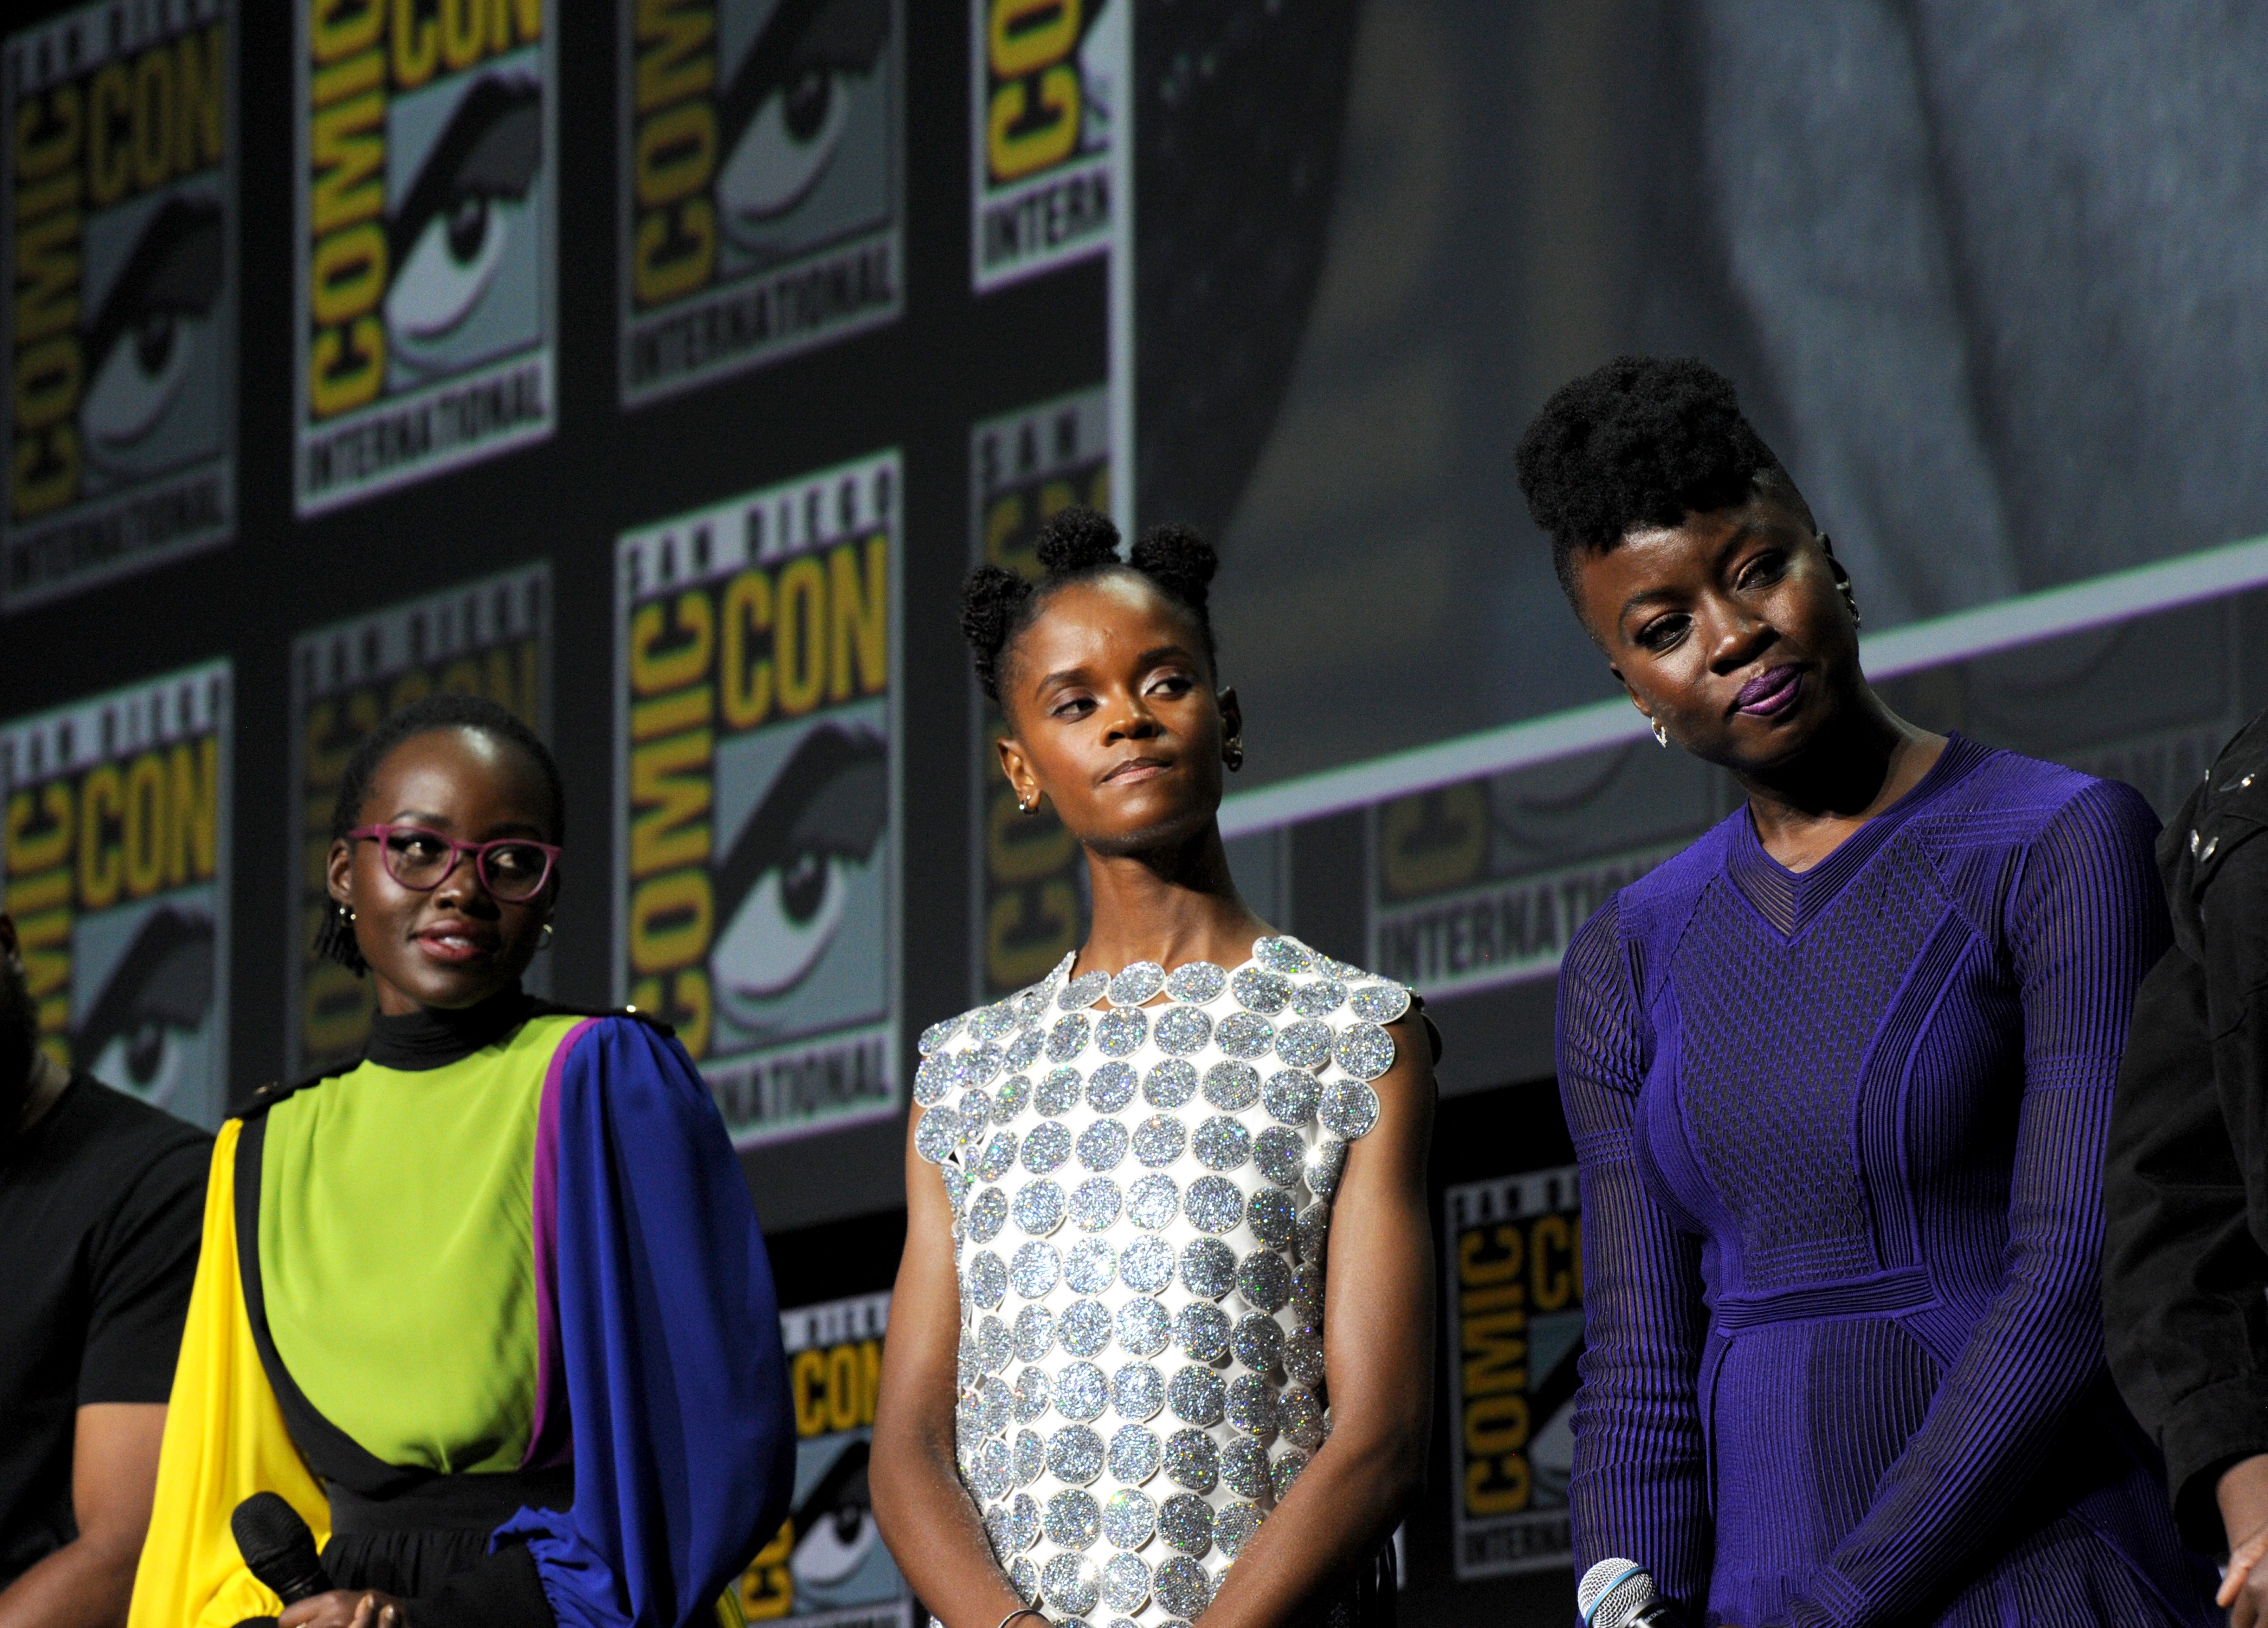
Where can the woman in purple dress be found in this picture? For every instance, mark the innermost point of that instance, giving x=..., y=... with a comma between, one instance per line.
x=1838, y=1076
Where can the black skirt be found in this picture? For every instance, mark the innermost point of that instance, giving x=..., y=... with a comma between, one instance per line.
x=430, y=1542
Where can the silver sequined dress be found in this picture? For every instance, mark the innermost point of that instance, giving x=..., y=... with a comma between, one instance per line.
x=1141, y=1195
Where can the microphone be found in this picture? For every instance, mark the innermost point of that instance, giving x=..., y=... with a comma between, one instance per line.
x=1620, y=1594
x=278, y=1549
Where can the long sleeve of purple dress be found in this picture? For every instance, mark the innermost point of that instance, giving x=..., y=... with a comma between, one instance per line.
x=1841, y=1135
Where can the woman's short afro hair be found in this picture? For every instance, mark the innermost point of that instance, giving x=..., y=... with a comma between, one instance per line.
x=1076, y=545
x=1642, y=441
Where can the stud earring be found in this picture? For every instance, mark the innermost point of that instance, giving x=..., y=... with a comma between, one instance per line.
x=547, y=936
x=1231, y=753
x=1660, y=735
x=1026, y=807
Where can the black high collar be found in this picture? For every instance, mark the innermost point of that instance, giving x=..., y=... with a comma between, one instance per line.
x=430, y=1038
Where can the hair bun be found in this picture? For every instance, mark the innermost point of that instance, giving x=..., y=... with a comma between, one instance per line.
x=1076, y=539
x=1178, y=560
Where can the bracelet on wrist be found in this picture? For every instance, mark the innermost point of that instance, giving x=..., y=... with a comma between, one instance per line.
x=1028, y=1611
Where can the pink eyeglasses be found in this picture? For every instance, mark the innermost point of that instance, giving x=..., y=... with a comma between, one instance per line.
x=513, y=869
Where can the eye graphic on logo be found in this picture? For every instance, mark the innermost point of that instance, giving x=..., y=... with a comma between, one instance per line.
x=783, y=888
x=835, y=1526
x=138, y=1032
x=783, y=116
x=449, y=235
x=145, y=334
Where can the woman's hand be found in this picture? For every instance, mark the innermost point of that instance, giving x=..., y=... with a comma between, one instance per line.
x=2243, y=1495
x=346, y=1608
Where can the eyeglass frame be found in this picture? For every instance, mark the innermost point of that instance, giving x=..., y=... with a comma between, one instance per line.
x=457, y=851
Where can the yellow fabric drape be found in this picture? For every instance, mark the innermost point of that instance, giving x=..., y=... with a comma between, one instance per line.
x=225, y=1440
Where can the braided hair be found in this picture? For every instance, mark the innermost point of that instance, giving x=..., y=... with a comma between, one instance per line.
x=1079, y=545
x=334, y=939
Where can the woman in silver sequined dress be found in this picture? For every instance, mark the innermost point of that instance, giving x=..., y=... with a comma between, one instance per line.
x=1115, y=1390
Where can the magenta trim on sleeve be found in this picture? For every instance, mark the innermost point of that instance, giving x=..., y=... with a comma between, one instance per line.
x=550, y=1442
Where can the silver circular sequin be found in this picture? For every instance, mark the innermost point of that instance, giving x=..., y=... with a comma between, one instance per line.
x=1056, y=1093
x=1274, y=1217
x=1365, y=1050
x=1183, y=1031
x=995, y=1475
x=1307, y=1293
x=1159, y=1140
x=1281, y=1155
x=975, y=1117
x=1182, y=1586
x=957, y=1183
x=1152, y=1202
x=1135, y=1453
x=1246, y=1035
x=1286, y=1470
x=1024, y=1578
x=978, y=1067
x=1321, y=1172
x=1111, y=1087
x=1074, y=1453
x=1221, y=1144
x=1196, y=982
x=1083, y=990
x=1303, y=1356
x=1262, y=992
x=987, y=1278
x=1039, y=1208
x=1290, y=1095
x=1082, y=1391
x=1209, y=1268
x=1143, y=1326
x=937, y=1034
x=1170, y=1083
x=1023, y=1512
x=1304, y=1045
x=1378, y=1002
x=1186, y=1520
x=933, y=1080
x=1031, y=1461
x=995, y=1402
x=1071, y=1583
x=1011, y=1099
x=1315, y=998
x=1300, y=1417
x=1251, y=1406
x=1125, y=1579
x=1024, y=1050
x=1122, y=1031
x=1089, y=1265
x=1213, y=1205
x=1138, y=982
x=1315, y=1232
x=1138, y=1390
x=1128, y=1521
x=1036, y=1268
x=1095, y=1204
x=1231, y=1087
x=1068, y=1038
x=934, y=1137
x=991, y=1344
x=1201, y=1330
x=1147, y=1264
x=1196, y=1395
x=1032, y=1394
x=1258, y=1341
x=1348, y=1109
x=1265, y=1281
x=1102, y=1144
x=1244, y=1469
x=988, y=1212
x=1035, y=1333
x=1284, y=954
x=1046, y=1148
x=1085, y=1328
x=989, y=1023
x=1234, y=1527
x=1073, y=1520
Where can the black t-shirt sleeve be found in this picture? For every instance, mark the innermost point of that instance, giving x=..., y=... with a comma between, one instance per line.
x=145, y=1259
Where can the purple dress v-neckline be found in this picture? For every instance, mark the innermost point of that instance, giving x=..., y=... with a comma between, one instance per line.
x=1841, y=1133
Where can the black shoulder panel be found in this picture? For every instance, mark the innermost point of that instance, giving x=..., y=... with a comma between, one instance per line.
x=2228, y=810
x=541, y=1007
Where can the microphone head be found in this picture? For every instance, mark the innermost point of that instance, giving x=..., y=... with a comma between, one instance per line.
x=1614, y=1593
x=277, y=1547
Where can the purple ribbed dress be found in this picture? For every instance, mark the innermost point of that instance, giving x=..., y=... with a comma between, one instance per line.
x=1841, y=1136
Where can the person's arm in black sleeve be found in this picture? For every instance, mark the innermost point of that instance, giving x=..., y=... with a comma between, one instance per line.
x=2185, y=1324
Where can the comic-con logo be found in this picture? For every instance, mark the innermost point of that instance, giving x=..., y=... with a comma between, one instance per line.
x=1046, y=75
x=762, y=150
x=119, y=331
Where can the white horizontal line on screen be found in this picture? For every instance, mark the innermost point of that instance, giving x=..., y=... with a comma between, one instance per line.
x=2119, y=596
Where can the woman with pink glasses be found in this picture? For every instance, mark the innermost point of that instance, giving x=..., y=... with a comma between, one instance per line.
x=490, y=1309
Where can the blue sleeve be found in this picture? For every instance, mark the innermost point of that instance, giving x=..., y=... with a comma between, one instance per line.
x=684, y=1441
